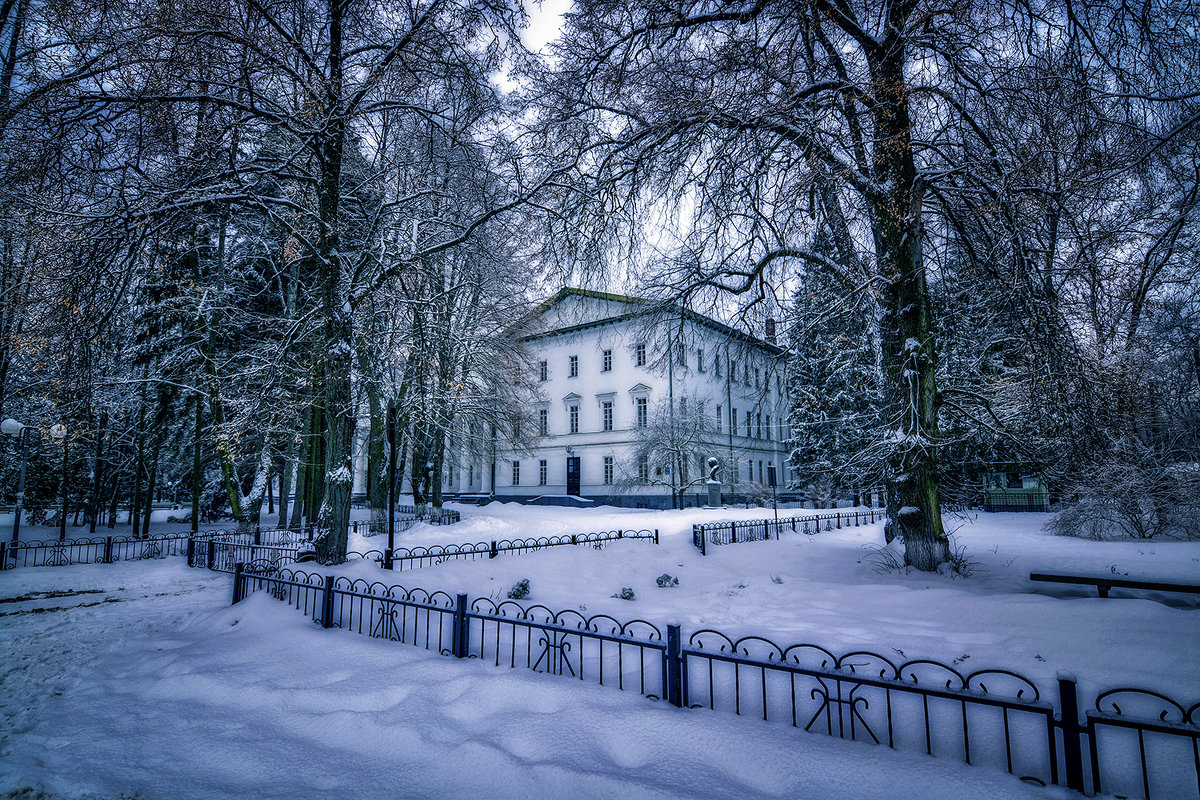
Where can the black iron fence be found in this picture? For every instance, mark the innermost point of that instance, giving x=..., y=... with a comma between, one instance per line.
x=754, y=530
x=221, y=554
x=1131, y=742
x=97, y=549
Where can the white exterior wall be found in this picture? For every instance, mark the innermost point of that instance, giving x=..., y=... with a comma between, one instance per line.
x=622, y=385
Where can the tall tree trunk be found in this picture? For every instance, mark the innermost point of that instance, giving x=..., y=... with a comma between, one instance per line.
x=197, y=464
x=907, y=333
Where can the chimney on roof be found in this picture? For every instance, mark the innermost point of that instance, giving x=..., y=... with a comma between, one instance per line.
x=771, y=332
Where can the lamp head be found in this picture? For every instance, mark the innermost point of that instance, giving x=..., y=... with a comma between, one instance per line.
x=11, y=427
x=58, y=432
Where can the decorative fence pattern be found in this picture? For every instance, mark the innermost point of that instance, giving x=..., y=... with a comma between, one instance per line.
x=221, y=555
x=406, y=517
x=97, y=549
x=754, y=530
x=1132, y=741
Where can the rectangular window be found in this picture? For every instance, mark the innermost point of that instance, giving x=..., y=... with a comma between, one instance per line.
x=746, y=375
x=643, y=412
x=749, y=429
x=718, y=417
x=758, y=424
x=733, y=421
x=770, y=436
x=516, y=475
x=682, y=355
x=760, y=472
x=542, y=472
x=543, y=370
x=574, y=415
x=639, y=352
x=644, y=470
x=750, y=471
x=683, y=406
x=606, y=414
x=700, y=360
x=700, y=409
x=573, y=368
x=606, y=366
x=717, y=365
x=608, y=470
x=543, y=422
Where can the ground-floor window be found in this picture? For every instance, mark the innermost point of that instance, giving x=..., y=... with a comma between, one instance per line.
x=542, y=472
x=516, y=473
x=608, y=470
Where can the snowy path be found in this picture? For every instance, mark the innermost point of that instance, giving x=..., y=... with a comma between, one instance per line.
x=153, y=685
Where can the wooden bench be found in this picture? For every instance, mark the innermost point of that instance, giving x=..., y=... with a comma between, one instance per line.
x=1104, y=583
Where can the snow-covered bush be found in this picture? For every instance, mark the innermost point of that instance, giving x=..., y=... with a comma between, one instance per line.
x=1134, y=492
x=666, y=581
x=520, y=590
x=626, y=593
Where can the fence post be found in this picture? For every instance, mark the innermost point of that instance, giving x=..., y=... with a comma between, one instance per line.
x=458, y=634
x=191, y=551
x=4, y=555
x=620, y=534
x=327, y=603
x=1068, y=700
x=493, y=552
x=387, y=558
x=108, y=550
x=656, y=535
x=237, y=582
x=733, y=532
x=573, y=539
x=839, y=520
x=211, y=559
x=673, y=668
x=257, y=535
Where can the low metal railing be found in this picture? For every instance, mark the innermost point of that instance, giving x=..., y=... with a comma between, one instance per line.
x=755, y=530
x=1133, y=742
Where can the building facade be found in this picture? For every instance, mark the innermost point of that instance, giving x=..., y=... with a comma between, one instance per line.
x=634, y=399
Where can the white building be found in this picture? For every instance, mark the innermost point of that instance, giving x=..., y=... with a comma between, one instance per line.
x=619, y=422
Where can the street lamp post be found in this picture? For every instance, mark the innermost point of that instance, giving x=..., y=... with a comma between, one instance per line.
x=59, y=434
x=13, y=428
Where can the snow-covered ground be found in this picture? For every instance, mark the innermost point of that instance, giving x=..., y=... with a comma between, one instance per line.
x=139, y=678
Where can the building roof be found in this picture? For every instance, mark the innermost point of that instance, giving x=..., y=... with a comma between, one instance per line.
x=646, y=307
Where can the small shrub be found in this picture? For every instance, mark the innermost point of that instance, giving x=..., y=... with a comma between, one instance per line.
x=961, y=565
x=666, y=581
x=885, y=559
x=520, y=590
x=776, y=579
x=626, y=593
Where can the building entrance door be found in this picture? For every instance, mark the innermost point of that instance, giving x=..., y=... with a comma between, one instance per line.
x=573, y=475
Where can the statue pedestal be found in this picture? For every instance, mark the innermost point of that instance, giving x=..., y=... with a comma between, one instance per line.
x=714, y=494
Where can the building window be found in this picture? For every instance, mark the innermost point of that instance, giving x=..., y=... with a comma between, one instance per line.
x=718, y=416
x=644, y=470
x=749, y=429
x=606, y=366
x=717, y=365
x=608, y=470
x=746, y=375
x=543, y=422
x=683, y=406
x=758, y=424
x=770, y=436
x=750, y=471
x=574, y=415
x=760, y=472
x=470, y=475
x=700, y=360
x=573, y=370
x=606, y=414
x=639, y=352
x=643, y=412
x=733, y=421
x=682, y=355
x=543, y=370
x=542, y=472
x=516, y=476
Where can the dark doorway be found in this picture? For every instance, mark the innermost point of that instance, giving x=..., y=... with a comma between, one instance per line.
x=573, y=475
